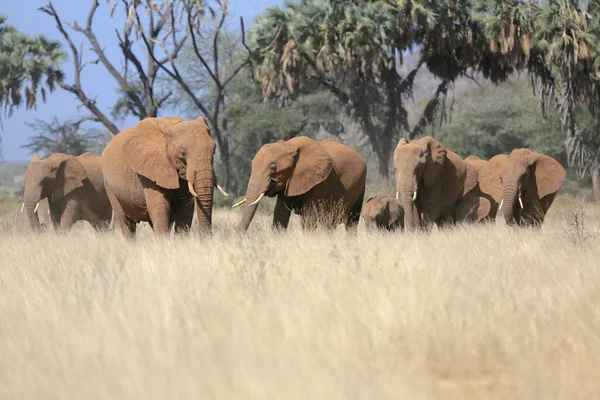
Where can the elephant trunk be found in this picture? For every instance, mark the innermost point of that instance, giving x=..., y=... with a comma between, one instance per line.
x=201, y=185
x=31, y=200
x=255, y=192
x=407, y=194
x=509, y=199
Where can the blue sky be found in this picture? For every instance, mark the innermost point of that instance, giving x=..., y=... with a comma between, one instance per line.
x=95, y=80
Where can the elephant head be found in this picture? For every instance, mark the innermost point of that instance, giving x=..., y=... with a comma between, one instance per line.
x=53, y=177
x=290, y=167
x=522, y=176
x=418, y=165
x=383, y=211
x=165, y=150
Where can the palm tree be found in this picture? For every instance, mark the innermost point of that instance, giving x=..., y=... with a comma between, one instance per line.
x=354, y=48
x=29, y=67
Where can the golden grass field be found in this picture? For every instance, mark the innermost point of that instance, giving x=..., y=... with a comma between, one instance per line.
x=479, y=312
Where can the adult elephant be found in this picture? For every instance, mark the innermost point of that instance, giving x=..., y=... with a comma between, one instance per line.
x=154, y=171
x=383, y=212
x=475, y=206
x=304, y=173
x=73, y=186
x=524, y=183
x=430, y=180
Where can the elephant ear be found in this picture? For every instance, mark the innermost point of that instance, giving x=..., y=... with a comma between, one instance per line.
x=471, y=179
x=395, y=210
x=35, y=158
x=313, y=165
x=484, y=208
x=489, y=177
x=549, y=174
x=436, y=156
x=69, y=175
x=146, y=152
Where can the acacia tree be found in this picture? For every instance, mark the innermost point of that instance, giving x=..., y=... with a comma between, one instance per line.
x=29, y=68
x=62, y=137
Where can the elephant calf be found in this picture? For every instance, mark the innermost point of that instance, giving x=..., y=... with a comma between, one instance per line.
x=383, y=212
x=304, y=173
x=74, y=187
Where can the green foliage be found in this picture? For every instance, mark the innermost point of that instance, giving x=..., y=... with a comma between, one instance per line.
x=9, y=202
x=497, y=119
x=29, y=66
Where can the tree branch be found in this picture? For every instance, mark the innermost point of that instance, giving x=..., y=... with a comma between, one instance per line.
x=216, y=47
x=77, y=67
x=121, y=80
x=192, y=28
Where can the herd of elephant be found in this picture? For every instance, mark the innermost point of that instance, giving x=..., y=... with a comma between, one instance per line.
x=161, y=169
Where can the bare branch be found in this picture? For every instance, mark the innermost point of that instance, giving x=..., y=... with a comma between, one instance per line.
x=160, y=101
x=216, y=47
x=91, y=36
x=174, y=73
x=76, y=88
x=197, y=51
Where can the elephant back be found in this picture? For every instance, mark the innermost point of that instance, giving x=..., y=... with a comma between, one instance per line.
x=347, y=162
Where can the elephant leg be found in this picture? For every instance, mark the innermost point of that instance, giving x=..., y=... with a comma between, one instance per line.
x=427, y=220
x=354, y=214
x=69, y=215
x=444, y=221
x=281, y=216
x=127, y=225
x=184, y=214
x=55, y=215
x=159, y=209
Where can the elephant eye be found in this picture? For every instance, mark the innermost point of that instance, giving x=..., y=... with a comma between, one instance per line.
x=181, y=152
x=272, y=167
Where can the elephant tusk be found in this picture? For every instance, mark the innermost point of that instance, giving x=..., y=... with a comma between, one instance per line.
x=239, y=203
x=520, y=202
x=257, y=200
x=191, y=187
x=414, y=196
x=220, y=189
x=22, y=207
x=502, y=202
x=36, y=206
x=397, y=195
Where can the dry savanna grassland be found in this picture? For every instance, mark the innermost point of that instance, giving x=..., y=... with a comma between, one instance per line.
x=471, y=312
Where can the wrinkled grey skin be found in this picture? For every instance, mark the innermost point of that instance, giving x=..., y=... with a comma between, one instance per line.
x=383, y=212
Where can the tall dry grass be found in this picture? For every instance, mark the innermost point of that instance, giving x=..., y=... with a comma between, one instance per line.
x=479, y=312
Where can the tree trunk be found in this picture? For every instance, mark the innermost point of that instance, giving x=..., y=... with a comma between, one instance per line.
x=595, y=172
x=384, y=165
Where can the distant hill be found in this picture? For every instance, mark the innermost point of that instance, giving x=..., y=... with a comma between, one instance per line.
x=426, y=84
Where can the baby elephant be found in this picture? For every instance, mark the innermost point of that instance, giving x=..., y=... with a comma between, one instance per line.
x=384, y=212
